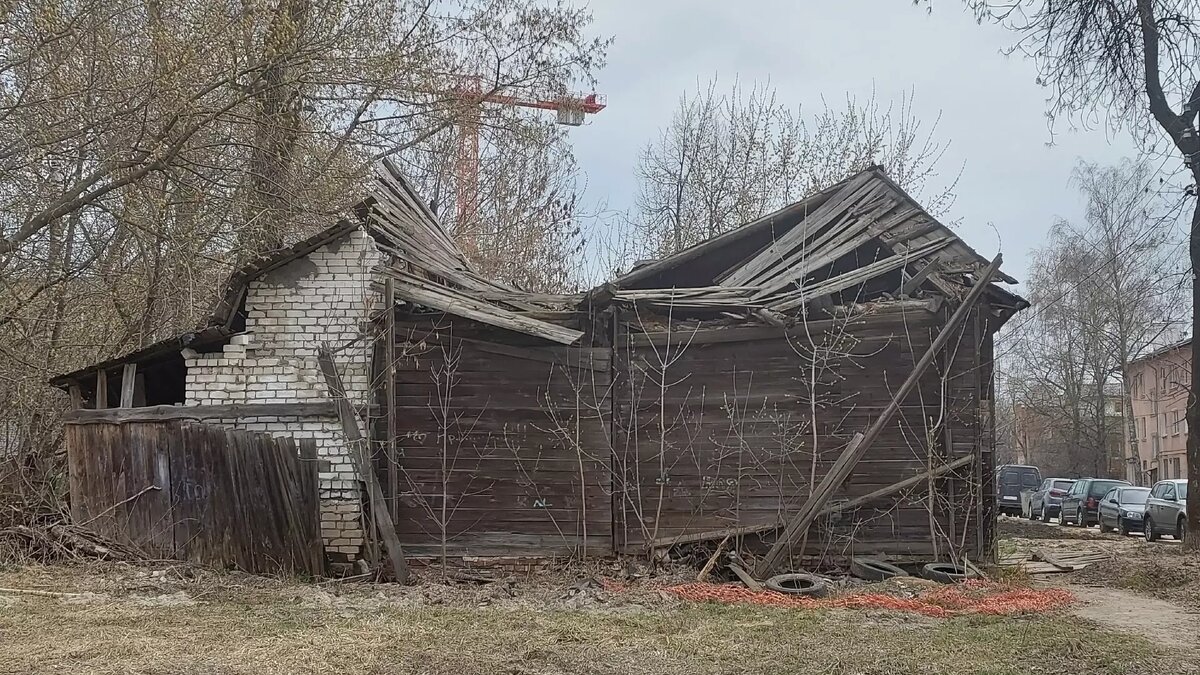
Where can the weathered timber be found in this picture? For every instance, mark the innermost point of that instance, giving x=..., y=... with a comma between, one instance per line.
x=203, y=493
x=362, y=461
x=855, y=451
x=101, y=389
x=389, y=369
x=128, y=381
x=463, y=305
x=200, y=412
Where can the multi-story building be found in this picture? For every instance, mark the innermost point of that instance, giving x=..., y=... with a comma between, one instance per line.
x=1068, y=435
x=1160, y=382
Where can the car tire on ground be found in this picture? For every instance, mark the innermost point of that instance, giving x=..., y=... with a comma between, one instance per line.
x=1122, y=527
x=1181, y=528
x=945, y=573
x=1148, y=530
x=1080, y=519
x=874, y=570
x=797, y=584
x=1045, y=514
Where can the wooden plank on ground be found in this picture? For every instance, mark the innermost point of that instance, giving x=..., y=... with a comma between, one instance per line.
x=379, y=510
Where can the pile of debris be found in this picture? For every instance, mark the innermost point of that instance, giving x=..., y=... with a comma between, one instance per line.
x=58, y=542
x=971, y=597
x=34, y=525
x=1042, y=561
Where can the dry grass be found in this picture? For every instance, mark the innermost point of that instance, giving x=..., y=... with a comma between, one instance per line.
x=125, y=622
x=1164, y=572
x=1160, y=569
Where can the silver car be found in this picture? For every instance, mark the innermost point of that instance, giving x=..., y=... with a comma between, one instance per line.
x=1166, y=510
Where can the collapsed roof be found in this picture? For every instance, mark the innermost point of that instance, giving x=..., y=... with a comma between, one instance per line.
x=862, y=239
x=859, y=240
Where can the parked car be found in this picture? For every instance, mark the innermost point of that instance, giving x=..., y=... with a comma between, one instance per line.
x=1166, y=510
x=1123, y=509
x=1011, y=479
x=1082, y=501
x=1045, y=501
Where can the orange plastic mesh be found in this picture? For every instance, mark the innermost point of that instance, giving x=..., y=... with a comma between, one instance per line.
x=972, y=597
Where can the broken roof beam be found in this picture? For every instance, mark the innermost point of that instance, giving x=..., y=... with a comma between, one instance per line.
x=453, y=302
x=780, y=251
x=863, y=274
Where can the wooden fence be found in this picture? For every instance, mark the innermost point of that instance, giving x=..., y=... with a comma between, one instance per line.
x=199, y=492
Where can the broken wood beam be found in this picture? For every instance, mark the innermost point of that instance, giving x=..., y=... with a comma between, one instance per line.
x=712, y=560
x=742, y=530
x=156, y=413
x=362, y=463
x=862, y=442
x=746, y=578
x=128, y=380
x=1042, y=555
x=101, y=388
x=902, y=485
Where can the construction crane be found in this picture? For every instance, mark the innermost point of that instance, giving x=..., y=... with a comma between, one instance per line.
x=571, y=111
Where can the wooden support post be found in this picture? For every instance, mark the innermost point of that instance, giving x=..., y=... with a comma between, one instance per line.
x=362, y=463
x=76, y=396
x=861, y=442
x=389, y=399
x=128, y=380
x=101, y=388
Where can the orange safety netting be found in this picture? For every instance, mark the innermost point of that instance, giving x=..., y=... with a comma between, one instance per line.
x=972, y=597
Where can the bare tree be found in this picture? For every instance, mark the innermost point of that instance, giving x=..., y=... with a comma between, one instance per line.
x=147, y=148
x=1104, y=292
x=1126, y=62
x=726, y=159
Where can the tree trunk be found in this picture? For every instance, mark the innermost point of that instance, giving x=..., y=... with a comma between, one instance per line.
x=1192, y=541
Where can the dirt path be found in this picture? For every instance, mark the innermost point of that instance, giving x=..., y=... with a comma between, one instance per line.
x=1156, y=620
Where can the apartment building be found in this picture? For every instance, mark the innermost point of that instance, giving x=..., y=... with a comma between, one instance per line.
x=1160, y=392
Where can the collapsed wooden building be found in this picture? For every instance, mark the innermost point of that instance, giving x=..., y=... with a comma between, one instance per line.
x=706, y=394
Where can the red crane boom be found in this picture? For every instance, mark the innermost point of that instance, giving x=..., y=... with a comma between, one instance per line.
x=571, y=111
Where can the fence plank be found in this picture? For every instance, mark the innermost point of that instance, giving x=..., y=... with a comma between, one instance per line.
x=198, y=492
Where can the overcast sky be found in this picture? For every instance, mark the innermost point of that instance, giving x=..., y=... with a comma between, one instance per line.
x=992, y=112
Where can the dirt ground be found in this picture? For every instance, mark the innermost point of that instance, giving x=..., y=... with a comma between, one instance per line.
x=110, y=618
x=1160, y=570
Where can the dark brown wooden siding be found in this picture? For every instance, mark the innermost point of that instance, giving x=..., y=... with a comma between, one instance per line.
x=716, y=430
x=510, y=446
x=503, y=443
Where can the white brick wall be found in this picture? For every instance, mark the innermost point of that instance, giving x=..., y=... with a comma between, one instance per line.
x=323, y=298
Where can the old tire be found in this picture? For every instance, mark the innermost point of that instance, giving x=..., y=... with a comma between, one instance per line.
x=874, y=570
x=945, y=573
x=797, y=584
